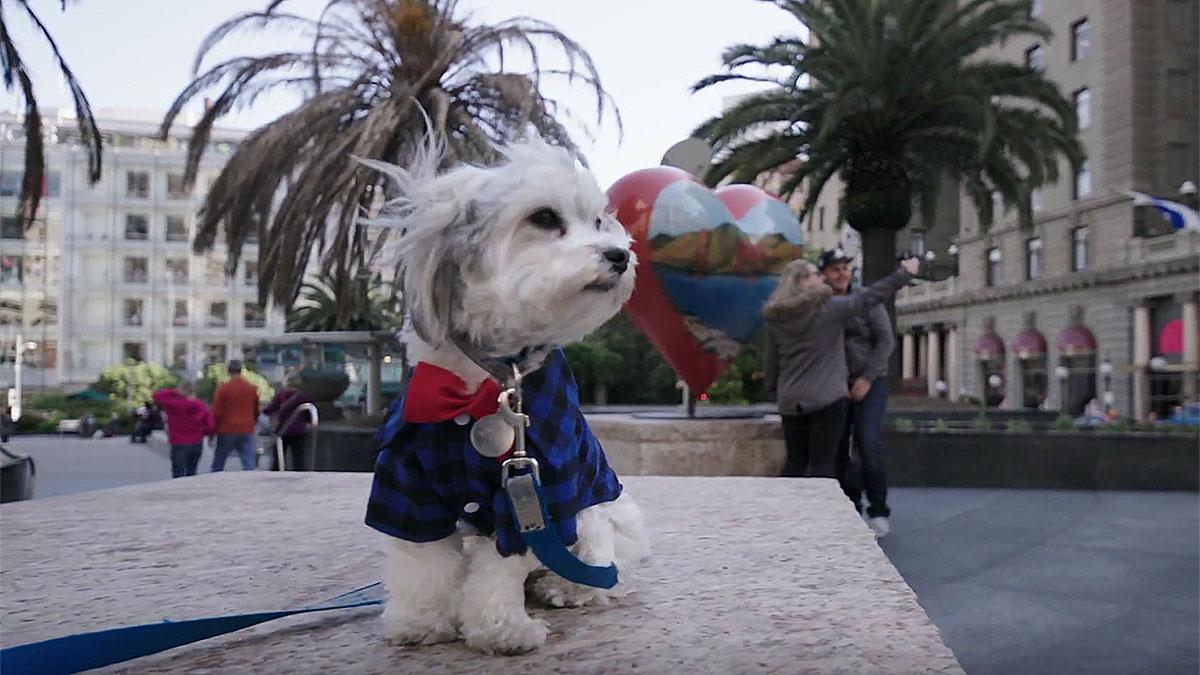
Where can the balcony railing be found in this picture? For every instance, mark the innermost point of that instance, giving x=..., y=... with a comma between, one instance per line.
x=1179, y=244
x=926, y=291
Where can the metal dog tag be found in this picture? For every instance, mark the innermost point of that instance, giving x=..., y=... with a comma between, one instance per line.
x=492, y=436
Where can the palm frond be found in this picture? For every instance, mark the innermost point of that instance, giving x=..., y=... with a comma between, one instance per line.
x=17, y=75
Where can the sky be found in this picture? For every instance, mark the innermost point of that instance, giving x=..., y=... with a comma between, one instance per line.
x=138, y=54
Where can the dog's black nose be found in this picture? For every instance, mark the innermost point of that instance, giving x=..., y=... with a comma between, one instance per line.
x=619, y=258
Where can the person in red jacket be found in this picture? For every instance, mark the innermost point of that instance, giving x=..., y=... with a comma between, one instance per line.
x=235, y=413
x=188, y=422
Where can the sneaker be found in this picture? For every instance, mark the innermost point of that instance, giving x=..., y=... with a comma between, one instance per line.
x=879, y=525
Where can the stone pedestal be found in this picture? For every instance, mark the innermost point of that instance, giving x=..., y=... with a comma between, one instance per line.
x=748, y=575
x=691, y=447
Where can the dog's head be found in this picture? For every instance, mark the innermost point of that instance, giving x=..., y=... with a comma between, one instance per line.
x=510, y=256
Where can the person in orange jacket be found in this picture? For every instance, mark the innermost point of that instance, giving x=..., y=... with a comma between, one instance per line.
x=235, y=413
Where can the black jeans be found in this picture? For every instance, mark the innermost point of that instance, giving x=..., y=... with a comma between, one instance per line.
x=864, y=422
x=185, y=459
x=293, y=453
x=812, y=441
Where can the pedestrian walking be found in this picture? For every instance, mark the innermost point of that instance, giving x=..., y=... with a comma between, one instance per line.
x=188, y=422
x=282, y=409
x=869, y=344
x=235, y=412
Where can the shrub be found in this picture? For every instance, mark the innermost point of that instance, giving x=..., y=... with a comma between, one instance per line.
x=941, y=425
x=1019, y=426
x=134, y=381
x=904, y=425
x=1064, y=423
x=218, y=373
x=981, y=422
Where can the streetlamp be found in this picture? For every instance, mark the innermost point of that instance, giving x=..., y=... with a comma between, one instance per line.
x=1106, y=371
x=1187, y=194
x=940, y=387
x=1061, y=374
x=14, y=399
x=953, y=251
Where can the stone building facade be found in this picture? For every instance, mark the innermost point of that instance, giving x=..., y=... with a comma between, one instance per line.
x=1098, y=299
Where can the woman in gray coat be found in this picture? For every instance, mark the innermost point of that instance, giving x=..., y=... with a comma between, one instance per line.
x=805, y=359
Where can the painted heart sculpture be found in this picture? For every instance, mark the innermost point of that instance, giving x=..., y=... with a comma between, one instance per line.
x=707, y=262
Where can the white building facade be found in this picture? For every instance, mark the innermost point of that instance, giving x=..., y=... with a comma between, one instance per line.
x=107, y=273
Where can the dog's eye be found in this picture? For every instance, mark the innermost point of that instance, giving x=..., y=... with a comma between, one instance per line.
x=546, y=219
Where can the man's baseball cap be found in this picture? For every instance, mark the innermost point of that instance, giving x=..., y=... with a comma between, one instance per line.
x=831, y=256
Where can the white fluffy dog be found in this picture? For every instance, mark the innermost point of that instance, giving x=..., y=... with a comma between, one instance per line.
x=508, y=262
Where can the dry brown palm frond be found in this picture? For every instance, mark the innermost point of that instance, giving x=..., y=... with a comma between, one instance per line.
x=377, y=74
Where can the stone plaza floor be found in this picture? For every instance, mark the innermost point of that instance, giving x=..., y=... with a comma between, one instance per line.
x=1017, y=581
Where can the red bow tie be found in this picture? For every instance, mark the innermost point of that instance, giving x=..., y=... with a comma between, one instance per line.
x=435, y=395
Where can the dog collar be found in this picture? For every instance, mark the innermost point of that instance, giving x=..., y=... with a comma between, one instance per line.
x=501, y=367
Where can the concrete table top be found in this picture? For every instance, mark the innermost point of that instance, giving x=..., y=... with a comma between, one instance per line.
x=747, y=575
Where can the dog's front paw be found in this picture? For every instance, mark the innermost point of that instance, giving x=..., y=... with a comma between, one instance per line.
x=405, y=626
x=554, y=591
x=509, y=636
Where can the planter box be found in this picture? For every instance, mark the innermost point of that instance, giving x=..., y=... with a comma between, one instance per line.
x=1055, y=460
x=344, y=448
x=1046, y=460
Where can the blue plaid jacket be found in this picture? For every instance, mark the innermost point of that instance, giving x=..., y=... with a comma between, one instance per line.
x=427, y=475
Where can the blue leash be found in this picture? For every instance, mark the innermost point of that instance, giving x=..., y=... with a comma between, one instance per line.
x=85, y=651
x=533, y=522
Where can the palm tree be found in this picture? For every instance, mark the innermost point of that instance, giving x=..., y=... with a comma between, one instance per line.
x=372, y=306
x=893, y=96
x=16, y=76
x=378, y=73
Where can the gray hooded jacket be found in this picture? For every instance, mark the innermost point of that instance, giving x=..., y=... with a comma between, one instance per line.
x=804, y=359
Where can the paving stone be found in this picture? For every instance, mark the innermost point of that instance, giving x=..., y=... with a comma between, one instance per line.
x=747, y=575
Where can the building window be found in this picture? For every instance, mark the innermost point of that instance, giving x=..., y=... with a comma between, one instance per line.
x=137, y=227
x=214, y=273
x=177, y=271
x=1033, y=258
x=134, y=313
x=917, y=241
x=1079, y=249
x=1080, y=42
x=1083, y=108
x=250, y=272
x=1083, y=181
x=10, y=228
x=218, y=315
x=179, y=356
x=137, y=184
x=133, y=351
x=176, y=228
x=179, y=313
x=821, y=218
x=10, y=182
x=1035, y=9
x=215, y=353
x=1035, y=200
x=993, y=266
x=1033, y=57
x=254, y=317
x=175, y=187
x=12, y=268
x=137, y=270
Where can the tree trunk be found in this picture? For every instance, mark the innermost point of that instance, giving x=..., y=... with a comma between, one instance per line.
x=879, y=260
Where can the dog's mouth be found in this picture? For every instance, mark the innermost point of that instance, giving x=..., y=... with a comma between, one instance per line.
x=602, y=285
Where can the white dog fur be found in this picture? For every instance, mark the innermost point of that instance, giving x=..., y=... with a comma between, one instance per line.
x=482, y=260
